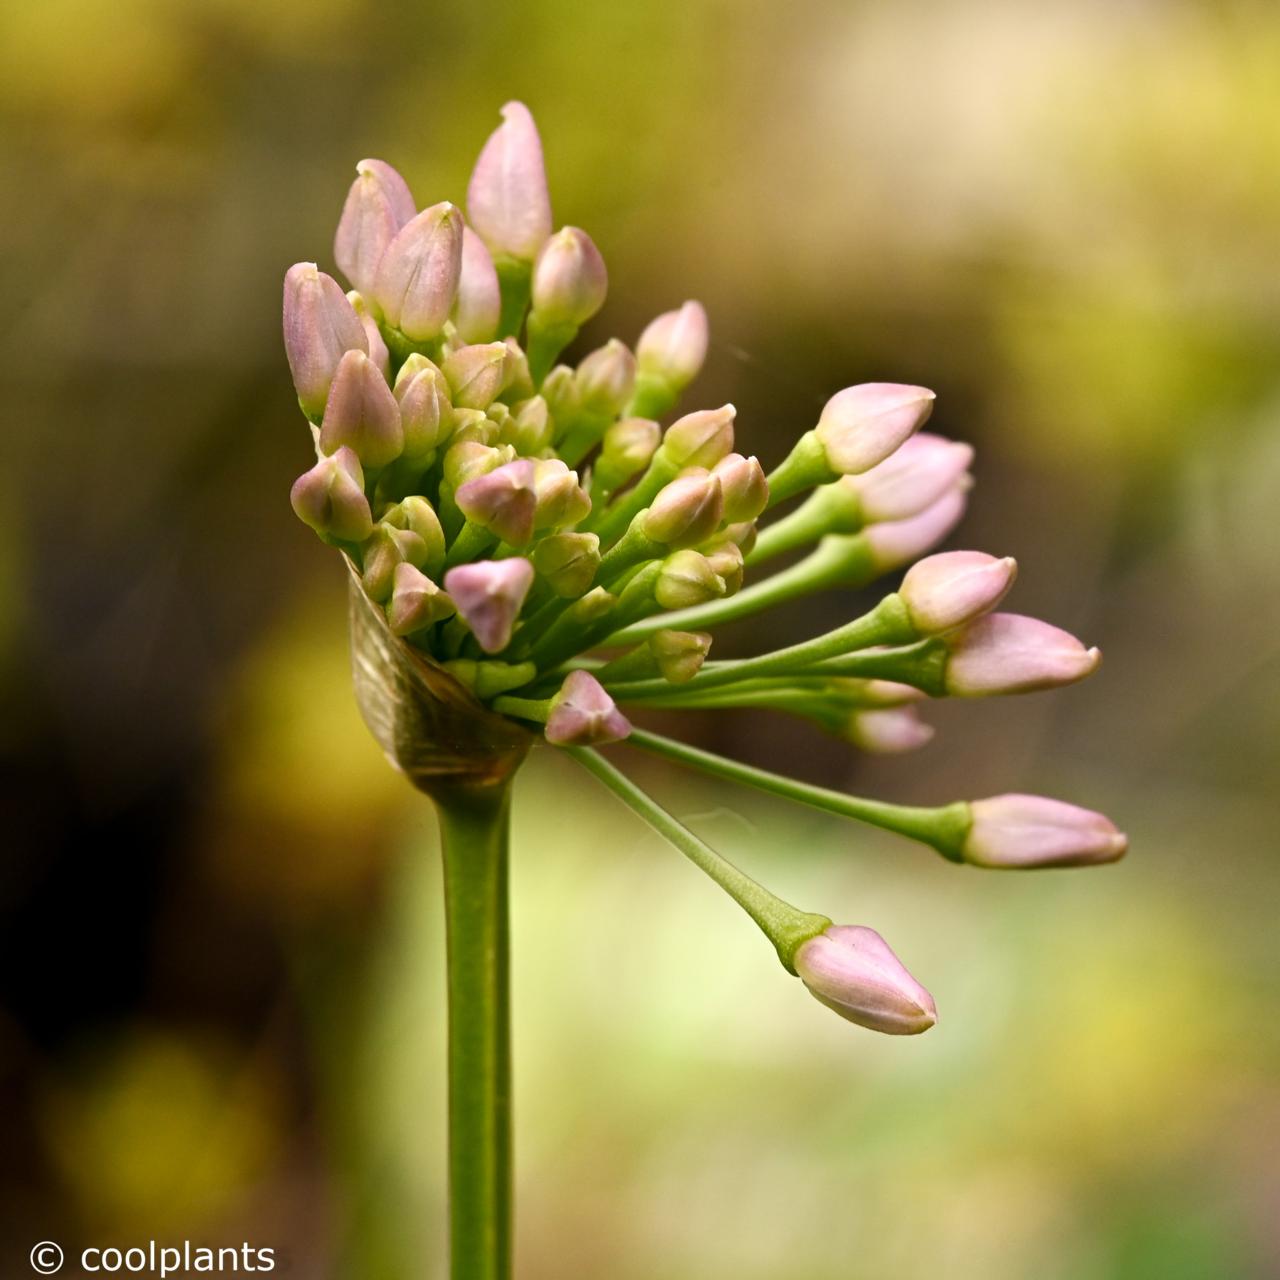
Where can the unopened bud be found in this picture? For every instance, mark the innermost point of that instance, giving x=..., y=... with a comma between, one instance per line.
x=584, y=715
x=1033, y=831
x=377, y=206
x=507, y=198
x=489, y=678
x=425, y=414
x=687, y=579
x=361, y=413
x=897, y=542
x=627, y=447
x=475, y=374
x=726, y=560
x=851, y=969
x=416, y=602
x=473, y=425
x=1009, y=653
x=529, y=429
x=560, y=393
x=568, y=562
x=700, y=439
x=489, y=596
x=569, y=279
x=888, y=731
x=503, y=501
x=320, y=327
x=467, y=459
x=674, y=346
x=861, y=426
x=418, y=516
x=746, y=491
x=418, y=275
x=605, y=378
x=911, y=479
x=742, y=535
x=679, y=654
x=479, y=302
x=378, y=352
x=517, y=382
x=687, y=511
x=389, y=547
x=945, y=590
x=561, y=499
x=330, y=498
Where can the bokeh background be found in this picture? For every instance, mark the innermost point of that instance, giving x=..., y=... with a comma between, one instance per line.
x=221, y=946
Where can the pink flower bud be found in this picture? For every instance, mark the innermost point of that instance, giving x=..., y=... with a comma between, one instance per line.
x=700, y=439
x=425, y=414
x=727, y=562
x=561, y=499
x=569, y=279
x=953, y=587
x=687, y=579
x=745, y=489
x=912, y=478
x=418, y=275
x=467, y=459
x=419, y=517
x=674, y=345
x=628, y=446
x=851, y=970
x=687, y=511
x=568, y=562
x=507, y=198
x=377, y=206
x=477, y=307
x=863, y=425
x=416, y=602
x=584, y=715
x=1008, y=653
x=391, y=546
x=361, y=413
x=1032, y=831
x=898, y=542
x=679, y=654
x=489, y=596
x=378, y=352
x=605, y=378
x=889, y=731
x=475, y=374
x=330, y=498
x=503, y=501
x=320, y=327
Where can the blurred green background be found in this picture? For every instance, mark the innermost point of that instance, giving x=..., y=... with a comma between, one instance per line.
x=220, y=929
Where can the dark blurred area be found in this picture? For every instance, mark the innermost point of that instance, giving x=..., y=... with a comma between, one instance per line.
x=220, y=988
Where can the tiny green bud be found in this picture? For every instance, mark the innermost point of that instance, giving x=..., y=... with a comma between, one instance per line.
x=390, y=546
x=529, y=427
x=475, y=374
x=561, y=500
x=418, y=516
x=605, y=378
x=625, y=451
x=466, y=459
x=490, y=678
x=568, y=562
x=726, y=560
x=745, y=489
x=687, y=579
x=679, y=654
x=700, y=439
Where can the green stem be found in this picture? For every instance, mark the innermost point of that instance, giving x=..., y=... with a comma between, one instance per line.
x=784, y=925
x=474, y=826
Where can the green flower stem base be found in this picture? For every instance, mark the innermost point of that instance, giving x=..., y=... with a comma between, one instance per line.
x=474, y=827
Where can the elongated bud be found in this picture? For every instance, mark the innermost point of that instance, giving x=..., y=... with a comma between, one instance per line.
x=320, y=327
x=426, y=417
x=568, y=562
x=378, y=352
x=479, y=302
x=529, y=429
x=687, y=579
x=726, y=561
x=679, y=654
x=377, y=206
x=1020, y=831
x=475, y=374
x=888, y=731
x=911, y=479
x=489, y=597
x=898, y=542
x=569, y=279
x=626, y=450
x=673, y=346
x=507, y=198
x=584, y=715
x=605, y=378
x=745, y=489
x=1009, y=653
x=687, y=511
x=851, y=969
x=700, y=439
x=416, y=602
x=561, y=499
x=861, y=426
x=954, y=587
x=418, y=276
x=418, y=516
x=503, y=501
x=361, y=413
x=330, y=498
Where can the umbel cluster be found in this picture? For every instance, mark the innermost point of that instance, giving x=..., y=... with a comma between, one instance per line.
x=531, y=529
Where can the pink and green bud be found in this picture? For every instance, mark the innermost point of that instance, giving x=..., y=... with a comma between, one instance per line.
x=1009, y=653
x=562, y=501
x=517, y=382
x=561, y=393
x=726, y=560
x=626, y=450
x=567, y=562
x=378, y=352
x=569, y=279
x=745, y=489
x=474, y=425
x=673, y=346
x=507, y=198
x=478, y=306
x=888, y=731
x=377, y=206
x=390, y=547
x=489, y=596
x=467, y=459
x=584, y=715
x=529, y=428
x=687, y=511
x=954, y=587
x=742, y=535
x=679, y=654
x=426, y=417
x=921, y=471
x=851, y=969
x=605, y=378
x=699, y=439
x=419, y=517
x=476, y=374
x=503, y=501
x=361, y=413
x=330, y=498
x=417, y=278
x=897, y=542
x=861, y=426
x=320, y=327
x=416, y=602
x=1020, y=831
x=687, y=579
